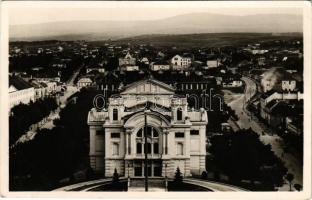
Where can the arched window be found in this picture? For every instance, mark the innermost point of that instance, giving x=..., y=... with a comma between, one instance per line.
x=115, y=114
x=155, y=134
x=149, y=131
x=139, y=133
x=179, y=114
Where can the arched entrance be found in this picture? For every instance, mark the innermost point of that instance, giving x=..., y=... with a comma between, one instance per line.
x=152, y=150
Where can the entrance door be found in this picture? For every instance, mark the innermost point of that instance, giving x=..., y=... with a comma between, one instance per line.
x=153, y=168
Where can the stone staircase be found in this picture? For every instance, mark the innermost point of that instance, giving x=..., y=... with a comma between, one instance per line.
x=154, y=185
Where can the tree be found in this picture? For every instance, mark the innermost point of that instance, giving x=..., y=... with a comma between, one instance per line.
x=298, y=187
x=242, y=156
x=289, y=177
x=178, y=176
x=115, y=176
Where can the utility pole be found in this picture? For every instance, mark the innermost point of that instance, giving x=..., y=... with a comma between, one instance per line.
x=145, y=150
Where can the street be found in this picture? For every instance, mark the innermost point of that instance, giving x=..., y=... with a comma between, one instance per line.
x=246, y=121
x=47, y=122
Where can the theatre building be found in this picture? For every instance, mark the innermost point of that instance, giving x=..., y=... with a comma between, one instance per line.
x=176, y=135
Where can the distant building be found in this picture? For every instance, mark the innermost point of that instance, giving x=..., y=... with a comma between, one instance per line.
x=84, y=82
x=233, y=83
x=144, y=60
x=277, y=113
x=20, y=91
x=289, y=85
x=41, y=89
x=160, y=65
x=176, y=134
x=181, y=63
x=98, y=69
x=259, y=51
x=127, y=60
x=272, y=95
x=213, y=63
x=129, y=68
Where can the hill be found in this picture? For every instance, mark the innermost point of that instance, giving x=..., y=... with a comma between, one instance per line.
x=181, y=24
x=207, y=39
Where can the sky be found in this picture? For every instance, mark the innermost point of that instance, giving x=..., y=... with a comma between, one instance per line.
x=128, y=11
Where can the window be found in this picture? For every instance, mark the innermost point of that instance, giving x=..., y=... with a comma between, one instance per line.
x=155, y=133
x=149, y=148
x=115, y=149
x=194, y=132
x=115, y=135
x=115, y=114
x=179, y=114
x=139, y=133
x=156, y=148
x=179, y=135
x=149, y=131
x=179, y=148
x=139, y=148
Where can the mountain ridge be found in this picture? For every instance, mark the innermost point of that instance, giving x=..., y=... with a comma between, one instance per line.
x=181, y=24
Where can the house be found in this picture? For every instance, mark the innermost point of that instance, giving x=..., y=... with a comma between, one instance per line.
x=232, y=83
x=180, y=63
x=273, y=95
x=129, y=68
x=41, y=90
x=144, y=60
x=20, y=91
x=176, y=135
x=160, y=65
x=97, y=68
x=213, y=63
x=289, y=85
x=275, y=113
x=281, y=114
x=109, y=82
x=127, y=60
x=84, y=82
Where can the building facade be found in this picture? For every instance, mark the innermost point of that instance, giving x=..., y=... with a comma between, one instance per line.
x=176, y=135
x=84, y=82
x=181, y=63
x=160, y=65
x=20, y=91
x=127, y=60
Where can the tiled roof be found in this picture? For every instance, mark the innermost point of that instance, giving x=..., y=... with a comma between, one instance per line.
x=19, y=83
